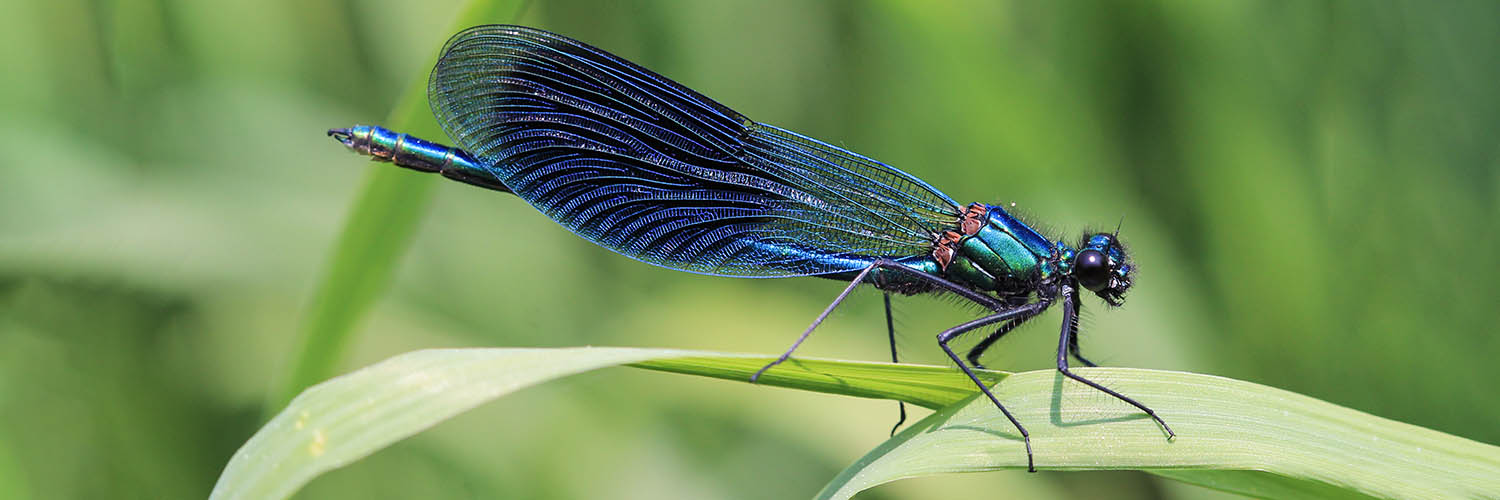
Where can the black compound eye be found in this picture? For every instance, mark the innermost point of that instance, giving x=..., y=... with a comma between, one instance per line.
x=1092, y=269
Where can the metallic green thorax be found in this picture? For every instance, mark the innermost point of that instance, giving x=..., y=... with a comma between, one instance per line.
x=994, y=251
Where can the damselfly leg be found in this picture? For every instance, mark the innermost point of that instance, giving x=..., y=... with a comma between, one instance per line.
x=1068, y=340
x=984, y=345
x=930, y=279
x=1001, y=314
x=1073, y=348
x=1031, y=309
x=890, y=331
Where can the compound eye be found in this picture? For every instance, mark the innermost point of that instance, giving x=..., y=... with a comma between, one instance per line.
x=1092, y=269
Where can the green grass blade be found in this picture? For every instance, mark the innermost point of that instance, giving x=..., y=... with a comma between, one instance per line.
x=349, y=417
x=378, y=231
x=926, y=386
x=1232, y=435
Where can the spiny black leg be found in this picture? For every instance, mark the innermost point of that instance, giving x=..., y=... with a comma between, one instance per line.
x=992, y=304
x=890, y=330
x=951, y=333
x=936, y=281
x=984, y=345
x=1073, y=348
x=1069, y=330
x=826, y=311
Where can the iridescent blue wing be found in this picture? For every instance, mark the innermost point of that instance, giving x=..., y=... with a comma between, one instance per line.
x=653, y=170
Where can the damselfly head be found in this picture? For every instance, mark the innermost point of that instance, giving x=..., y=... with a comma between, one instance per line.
x=1102, y=267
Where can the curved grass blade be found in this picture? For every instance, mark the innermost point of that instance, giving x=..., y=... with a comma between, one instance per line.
x=1233, y=435
x=378, y=231
x=334, y=423
x=927, y=386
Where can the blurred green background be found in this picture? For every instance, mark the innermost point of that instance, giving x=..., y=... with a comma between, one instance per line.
x=1309, y=188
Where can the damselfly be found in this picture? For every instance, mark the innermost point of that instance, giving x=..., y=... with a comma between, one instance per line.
x=657, y=172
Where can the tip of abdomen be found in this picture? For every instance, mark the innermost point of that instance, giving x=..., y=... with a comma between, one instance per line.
x=341, y=135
